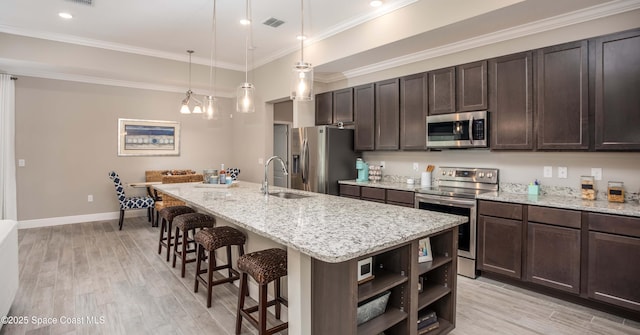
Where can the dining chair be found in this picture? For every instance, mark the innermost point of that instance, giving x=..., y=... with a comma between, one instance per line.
x=130, y=202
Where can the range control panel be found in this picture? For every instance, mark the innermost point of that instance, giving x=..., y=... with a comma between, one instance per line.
x=476, y=175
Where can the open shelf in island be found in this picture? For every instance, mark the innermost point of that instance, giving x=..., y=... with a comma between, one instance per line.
x=445, y=327
x=383, y=281
x=382, y=322
x=437, y=262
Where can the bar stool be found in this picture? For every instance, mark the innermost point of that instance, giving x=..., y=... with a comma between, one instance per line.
x=264, y=266
x=209, y=240
x=167, y=215
x=185, y=223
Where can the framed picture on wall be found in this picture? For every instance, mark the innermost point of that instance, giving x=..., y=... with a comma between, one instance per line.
x=148, y=138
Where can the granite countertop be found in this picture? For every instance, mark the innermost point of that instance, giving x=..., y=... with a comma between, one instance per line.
x=630, y=208
x=326, y=227
x=383, y=184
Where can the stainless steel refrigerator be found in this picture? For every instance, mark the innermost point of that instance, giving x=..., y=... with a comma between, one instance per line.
x=320, y=157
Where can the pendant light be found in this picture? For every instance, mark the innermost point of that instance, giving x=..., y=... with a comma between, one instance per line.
x=210, y=102
x=302, y=76
x=244, y=95
x=197, y=108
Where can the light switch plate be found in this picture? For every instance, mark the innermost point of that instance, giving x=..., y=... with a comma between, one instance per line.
x=21, y=162
x=562, y=172
x=596, y=173
x=548, y=172
x=260, y=161
x=382, y=164
x=415, y=166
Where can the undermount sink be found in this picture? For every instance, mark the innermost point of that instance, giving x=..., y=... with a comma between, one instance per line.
x=288, y=195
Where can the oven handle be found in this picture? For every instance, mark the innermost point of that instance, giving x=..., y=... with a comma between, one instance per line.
x=445, y=201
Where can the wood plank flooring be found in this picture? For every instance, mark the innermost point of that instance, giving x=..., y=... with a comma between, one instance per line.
x=93, y=270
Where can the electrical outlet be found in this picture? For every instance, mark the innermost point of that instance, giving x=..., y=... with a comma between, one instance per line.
x=415, y=166
x=382, y=164
x=548, y=172
x=90, y=198
x=596, y=173
x=562, y=172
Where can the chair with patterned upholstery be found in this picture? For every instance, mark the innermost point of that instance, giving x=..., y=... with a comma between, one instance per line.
x=130, y=202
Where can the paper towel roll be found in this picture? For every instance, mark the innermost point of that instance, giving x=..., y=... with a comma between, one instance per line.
x=425, y=179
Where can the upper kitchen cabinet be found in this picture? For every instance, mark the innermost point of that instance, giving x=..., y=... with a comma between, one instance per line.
x=471, y=83
x=442, y=91
x=511, y=101
x=343, y=105
x=562, y=110
x=387, y=113
x=324, y=108
x=364, y=116
x=333, y=107
x=617, y=83
x=413, y=112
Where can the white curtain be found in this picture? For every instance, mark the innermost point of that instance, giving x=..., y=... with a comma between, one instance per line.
x=8, y=203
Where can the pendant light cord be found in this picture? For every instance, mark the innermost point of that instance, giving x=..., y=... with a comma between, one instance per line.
x=212, y=69
x=302, y=37
x=246, y=45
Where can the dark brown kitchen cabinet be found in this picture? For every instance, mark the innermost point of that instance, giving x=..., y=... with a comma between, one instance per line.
x=511, y=102
x=364, y=116
x=471, y=83
x=343, y=105
x=442, y=91
x=387, y=112
x=324, y=108
x=374, y=194
x=614, y=250
x=500, y=238
x=562, y=110
x=401, y=198
x=413, y=112
x=350, y=191
x=553, y=248
x=617, y=83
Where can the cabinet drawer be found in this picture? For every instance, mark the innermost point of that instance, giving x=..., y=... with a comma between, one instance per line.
x=372, y=193
x=405, y=197
x=615, y=224
x=500, y=209
x=350, y=190
x=554, y=216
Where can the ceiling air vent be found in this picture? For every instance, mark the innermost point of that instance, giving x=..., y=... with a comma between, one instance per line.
x=273, y=22
x=82, y=2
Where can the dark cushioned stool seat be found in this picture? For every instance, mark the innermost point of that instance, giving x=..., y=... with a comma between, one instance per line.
x=208, y=240
x=264, y=266
x=168, y=214
x=185, y=223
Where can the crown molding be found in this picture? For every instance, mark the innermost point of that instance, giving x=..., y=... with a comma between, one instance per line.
x=559, y=21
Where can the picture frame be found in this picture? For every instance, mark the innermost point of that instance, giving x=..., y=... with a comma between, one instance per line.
x=148, y=138
x=424, y=250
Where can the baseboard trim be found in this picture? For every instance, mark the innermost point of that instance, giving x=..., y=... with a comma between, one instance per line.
x=62, y=220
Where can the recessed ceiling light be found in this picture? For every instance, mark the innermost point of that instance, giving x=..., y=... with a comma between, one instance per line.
x=65, y=15
x=245, y=22
x=375, y=3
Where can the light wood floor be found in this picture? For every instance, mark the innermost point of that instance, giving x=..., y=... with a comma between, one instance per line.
x=92, y=269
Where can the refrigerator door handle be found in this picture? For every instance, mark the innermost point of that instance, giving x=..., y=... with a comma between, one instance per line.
x=305, y=161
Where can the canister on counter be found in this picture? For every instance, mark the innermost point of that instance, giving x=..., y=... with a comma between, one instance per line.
x=615, y=191
x=588, y=188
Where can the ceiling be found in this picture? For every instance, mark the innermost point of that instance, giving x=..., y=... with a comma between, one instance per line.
x=167, y=28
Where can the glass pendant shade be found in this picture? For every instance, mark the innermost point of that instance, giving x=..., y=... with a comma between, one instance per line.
x=302, y=82
x=244, y=98
x=210, y=111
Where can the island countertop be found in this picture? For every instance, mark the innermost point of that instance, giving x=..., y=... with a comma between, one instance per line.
x=328, y=228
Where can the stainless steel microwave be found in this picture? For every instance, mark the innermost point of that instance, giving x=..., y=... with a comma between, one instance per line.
x=458, y=130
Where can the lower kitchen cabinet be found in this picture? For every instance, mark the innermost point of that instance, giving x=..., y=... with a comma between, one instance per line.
x=500, y=246
x=614, y=253
x=378, y=194
x=553, y=248
x=350, y=191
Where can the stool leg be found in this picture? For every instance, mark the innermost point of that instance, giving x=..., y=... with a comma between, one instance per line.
x=183, y=255
x=176, y=241
x=169, y=228
x=229, y=262
x=240, y=253
x=199, y=260
x=262, y=309
x=276, y=285
x=162, y=229
x=241, y=294
x=212, y=264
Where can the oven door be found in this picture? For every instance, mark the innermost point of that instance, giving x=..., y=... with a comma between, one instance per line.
x=457, y=206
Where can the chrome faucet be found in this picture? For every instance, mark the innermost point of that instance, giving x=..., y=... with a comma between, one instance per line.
x=265, y=183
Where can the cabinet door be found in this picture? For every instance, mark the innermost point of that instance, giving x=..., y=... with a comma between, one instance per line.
x=324, y=108
x=471, y=86
x=553, y=257
x=343, y=105
x=613, y=269
x=413, y=112
x=442, y=91
x=617, y=85
x=511, y=101
x=562, y=97
x=364, y=115
x=500, y=246
x=388, y=115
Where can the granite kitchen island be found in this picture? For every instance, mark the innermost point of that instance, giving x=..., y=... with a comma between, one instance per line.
x=325, y=236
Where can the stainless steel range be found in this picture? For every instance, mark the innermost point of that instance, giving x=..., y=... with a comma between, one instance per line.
x=455, y=193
